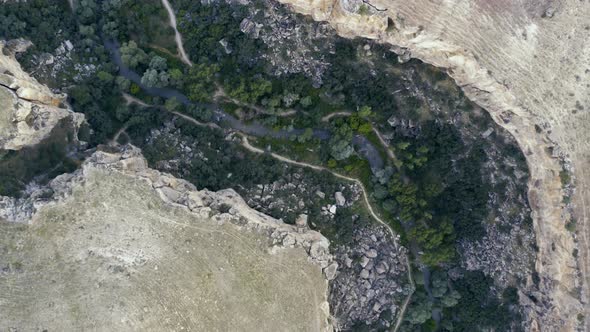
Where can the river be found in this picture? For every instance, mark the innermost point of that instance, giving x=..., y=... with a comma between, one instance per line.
x=363, y=146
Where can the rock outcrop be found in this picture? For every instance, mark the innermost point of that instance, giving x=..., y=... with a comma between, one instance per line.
x=30, y=110
x=126, y=229
x=528, y=64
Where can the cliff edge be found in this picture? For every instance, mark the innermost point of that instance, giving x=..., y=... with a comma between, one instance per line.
x=528, y=64
x=119, y=246
x=30, y=110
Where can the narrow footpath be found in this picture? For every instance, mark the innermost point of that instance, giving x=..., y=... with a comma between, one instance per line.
x=177, y=35
x=246, y=144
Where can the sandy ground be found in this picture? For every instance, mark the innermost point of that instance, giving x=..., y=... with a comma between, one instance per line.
x=115, y=257
x=177, y=36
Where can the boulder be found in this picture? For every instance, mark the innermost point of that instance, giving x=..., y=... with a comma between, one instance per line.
x=371, y=253
x=330, y=271
x=340, y=200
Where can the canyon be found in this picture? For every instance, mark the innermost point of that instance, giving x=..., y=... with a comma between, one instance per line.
x=528, y=64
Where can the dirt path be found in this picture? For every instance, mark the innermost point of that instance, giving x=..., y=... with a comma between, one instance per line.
x=177, y=35
x=388, y=150
x=118, y=134
x=331, y=115
x=129, y=99
x=246, y=144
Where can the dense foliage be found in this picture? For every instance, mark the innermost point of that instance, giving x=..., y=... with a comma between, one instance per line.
x=46, y=23
x=434, y=193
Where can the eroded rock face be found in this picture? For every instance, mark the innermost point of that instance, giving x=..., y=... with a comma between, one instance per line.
x=159, y=252
x=29, y=109
x=528, y=64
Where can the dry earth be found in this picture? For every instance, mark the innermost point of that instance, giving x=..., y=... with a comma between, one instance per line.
x=125, y=248
x=528, y=63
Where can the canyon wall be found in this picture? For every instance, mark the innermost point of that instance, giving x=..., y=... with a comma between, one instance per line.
x=528, y=64
x=30, y=110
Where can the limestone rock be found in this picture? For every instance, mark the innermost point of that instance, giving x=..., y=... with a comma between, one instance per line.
x=340, y=200
x=30, y=110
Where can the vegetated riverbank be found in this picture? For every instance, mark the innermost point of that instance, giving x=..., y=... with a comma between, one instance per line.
x=422, y=124
x=365, y=147
x=414, y=157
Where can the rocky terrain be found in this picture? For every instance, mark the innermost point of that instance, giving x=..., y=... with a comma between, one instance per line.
x=527, y=64
x=292, y=47
x=371, y=279
x=30, y=110
x=157, y=254
x=368, y=287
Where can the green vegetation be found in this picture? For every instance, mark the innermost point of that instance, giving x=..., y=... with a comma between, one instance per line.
x=434, y=195
x=565, y=178
x=363, y=9
x=42, y=162
x=44, y=22
x=571, y=225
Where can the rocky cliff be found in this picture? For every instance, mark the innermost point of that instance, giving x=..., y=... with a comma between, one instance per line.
x=158, y=254
x=528, y=64
x=30, y=110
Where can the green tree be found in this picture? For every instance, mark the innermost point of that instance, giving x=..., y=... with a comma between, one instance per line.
x=340, y=149
x=365, y=128
x=134, y=89
x=104, y=77
x=420, y=309
x=176, y=77
x=365, y=112
x=150, y=78
x=132, y=56
x=158, y=63
x=450, y=299
x=123, y=83
x=306, y=102
x=201, y=82
x=305, y=136
x=172, y=104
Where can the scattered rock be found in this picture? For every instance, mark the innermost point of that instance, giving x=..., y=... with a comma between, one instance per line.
x=332, y=209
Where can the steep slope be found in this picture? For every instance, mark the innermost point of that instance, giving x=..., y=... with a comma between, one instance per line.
x=122, y=247
x=30, y=110
x=528, y=64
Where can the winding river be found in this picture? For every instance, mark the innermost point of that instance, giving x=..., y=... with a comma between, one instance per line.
x=362, y=145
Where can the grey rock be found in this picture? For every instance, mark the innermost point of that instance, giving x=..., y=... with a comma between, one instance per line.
x=364, y=274
x=330, y=271
x=340, y=200
x=381, y=267
x=332, y=209
x=372, y=253
x=364, y=261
